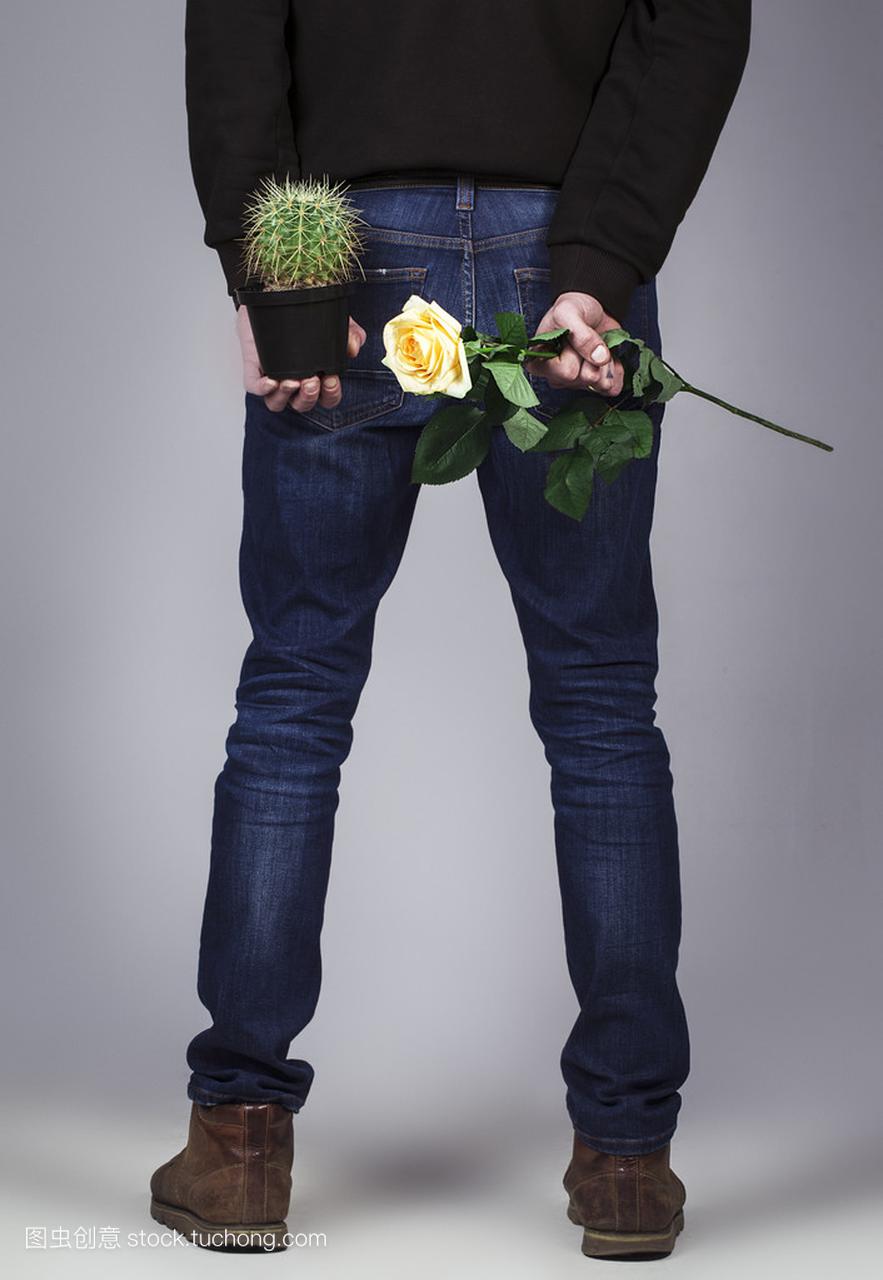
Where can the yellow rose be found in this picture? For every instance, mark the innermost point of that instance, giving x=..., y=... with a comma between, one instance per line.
x=425, y=351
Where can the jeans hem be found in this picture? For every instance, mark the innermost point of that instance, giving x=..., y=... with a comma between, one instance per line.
x=208, y=1098
x=626, y=1146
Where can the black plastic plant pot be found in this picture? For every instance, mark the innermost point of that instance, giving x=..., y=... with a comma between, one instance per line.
x=299, y=332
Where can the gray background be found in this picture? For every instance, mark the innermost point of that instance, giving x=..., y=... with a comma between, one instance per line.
x=436, y=1133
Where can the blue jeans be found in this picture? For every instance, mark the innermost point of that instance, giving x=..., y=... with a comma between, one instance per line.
x=328, y=503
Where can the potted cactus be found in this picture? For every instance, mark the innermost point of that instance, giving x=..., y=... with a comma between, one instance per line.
x=301, y=248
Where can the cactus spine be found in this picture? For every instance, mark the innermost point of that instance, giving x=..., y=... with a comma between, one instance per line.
x=301, y=233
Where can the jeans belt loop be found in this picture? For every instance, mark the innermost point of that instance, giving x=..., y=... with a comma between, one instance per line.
x=465, y=191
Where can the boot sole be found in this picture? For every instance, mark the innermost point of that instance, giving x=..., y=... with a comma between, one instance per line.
x=627, y=1244
x=264, y=1237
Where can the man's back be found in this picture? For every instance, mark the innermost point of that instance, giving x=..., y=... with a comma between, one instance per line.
x=620, y=102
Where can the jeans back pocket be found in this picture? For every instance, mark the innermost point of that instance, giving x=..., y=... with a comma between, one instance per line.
x=369, y=389
x=534, y=290
x=533, y=286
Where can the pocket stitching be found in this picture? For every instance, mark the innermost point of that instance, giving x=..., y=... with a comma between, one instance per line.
x=340, y=416
x=524, y=275
x=395, y=273
x=353, y=415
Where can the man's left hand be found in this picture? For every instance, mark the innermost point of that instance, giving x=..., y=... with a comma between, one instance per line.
x=585, y=362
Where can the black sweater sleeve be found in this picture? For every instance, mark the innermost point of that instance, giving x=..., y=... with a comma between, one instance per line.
x=649, y=135
x=237, y=79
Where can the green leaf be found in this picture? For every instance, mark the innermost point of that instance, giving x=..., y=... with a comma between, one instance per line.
x=548, y=335
x=480, y=379
x=511, y=328
x=569, y=483
x=641, y=426
x=505, y=353
x=615, y=337
x=616, y=439
x=642, y=378
x=611, y=472
x=613, y=459
x=513, y=383
x=523, y=429
x=484, y=338
x=612, y=428
x=453, y=442
x=631, y=424
x=496, y=406
x=670, y=383
x=564, y=429
x=635, y=426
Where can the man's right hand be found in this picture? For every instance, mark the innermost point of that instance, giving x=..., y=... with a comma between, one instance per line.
x=303, y=394
x=585, y=362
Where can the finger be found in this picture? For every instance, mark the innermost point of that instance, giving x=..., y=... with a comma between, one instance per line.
x=355, y=339
x=538, y=368
x=607, y=379
x=253, y=376
x=613, y=378
x=260, y=385
x=278, y=400
x=331, y=392
x=586, y=341
x=308, y=394
x=564, y=370
x=606, y=382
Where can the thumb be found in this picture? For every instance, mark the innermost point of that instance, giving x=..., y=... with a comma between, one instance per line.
x=582, y=313
x=588, y=342
x=253, y=377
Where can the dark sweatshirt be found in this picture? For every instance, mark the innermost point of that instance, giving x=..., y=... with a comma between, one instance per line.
x=620, y=102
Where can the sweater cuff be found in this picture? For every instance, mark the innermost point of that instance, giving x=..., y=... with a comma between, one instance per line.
x=230, y=253
x=581, y=268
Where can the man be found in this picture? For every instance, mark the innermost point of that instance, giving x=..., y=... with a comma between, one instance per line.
x=535, y=156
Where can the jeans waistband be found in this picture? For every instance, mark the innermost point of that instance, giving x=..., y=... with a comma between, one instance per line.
x=466, y=183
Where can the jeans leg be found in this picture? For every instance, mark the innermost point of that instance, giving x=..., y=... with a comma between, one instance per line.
x=326, y=518
x=584, y=599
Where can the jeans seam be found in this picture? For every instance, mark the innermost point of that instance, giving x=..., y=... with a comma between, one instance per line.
x=385, y=275
x=532, y=235
x=390, y=235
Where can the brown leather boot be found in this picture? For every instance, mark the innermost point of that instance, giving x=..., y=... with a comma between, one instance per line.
x=629, y=1206
x=230, y=1186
